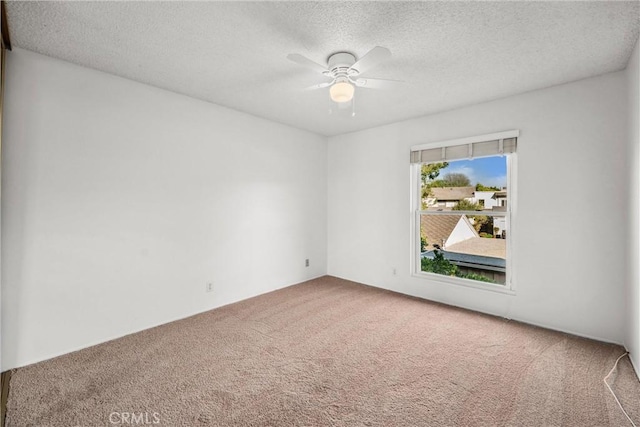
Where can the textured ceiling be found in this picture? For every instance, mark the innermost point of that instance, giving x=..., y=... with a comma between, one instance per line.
x=449, y=54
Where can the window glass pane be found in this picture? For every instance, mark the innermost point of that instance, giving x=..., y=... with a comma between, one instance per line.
x=475, y=184
x=462, y=243
x=466, y=246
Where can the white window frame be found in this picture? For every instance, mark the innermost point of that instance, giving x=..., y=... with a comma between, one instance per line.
x=510, y=217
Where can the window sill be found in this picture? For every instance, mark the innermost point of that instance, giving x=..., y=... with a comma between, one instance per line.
x=441, y=279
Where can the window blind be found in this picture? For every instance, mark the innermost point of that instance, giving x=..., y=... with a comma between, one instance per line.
x=465, y=151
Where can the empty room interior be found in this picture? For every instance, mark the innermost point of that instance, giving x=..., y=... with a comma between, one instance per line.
x=320, y=213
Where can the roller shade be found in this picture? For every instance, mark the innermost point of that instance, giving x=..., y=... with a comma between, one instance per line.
x=465, y=151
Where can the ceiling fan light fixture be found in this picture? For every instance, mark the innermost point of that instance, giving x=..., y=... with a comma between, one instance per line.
x=341, y=92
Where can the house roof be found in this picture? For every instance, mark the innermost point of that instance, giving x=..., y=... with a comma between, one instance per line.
x=500, y=194
x=490, y=263
x=481, y=246
x=437, y=228
x=452, y=193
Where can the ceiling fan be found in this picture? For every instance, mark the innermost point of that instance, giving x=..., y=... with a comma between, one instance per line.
x=344, y=71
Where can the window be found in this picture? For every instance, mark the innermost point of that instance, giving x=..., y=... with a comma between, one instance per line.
x=463, y=196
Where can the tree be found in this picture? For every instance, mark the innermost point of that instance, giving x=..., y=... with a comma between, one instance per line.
x=481, y=223
x=439, y=183
x=423, y=244
x=456, y=180
x=466, y=205
x=480, y=187
x=439, y=265
x=431, y=171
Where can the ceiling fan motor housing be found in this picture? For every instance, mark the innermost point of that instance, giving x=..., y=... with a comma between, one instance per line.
x=340, y=63
x=343, y=69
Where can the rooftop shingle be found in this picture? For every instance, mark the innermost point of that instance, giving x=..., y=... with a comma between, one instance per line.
x=452, y=193
x=437, y=228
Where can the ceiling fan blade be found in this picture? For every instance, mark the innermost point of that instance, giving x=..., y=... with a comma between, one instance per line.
x=376, y=83
x=371, y=58
x=319, y=86
x=306, y=62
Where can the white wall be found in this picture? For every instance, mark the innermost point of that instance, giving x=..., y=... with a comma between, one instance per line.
x=121, y=201
x=632, y=337
x=569, y=271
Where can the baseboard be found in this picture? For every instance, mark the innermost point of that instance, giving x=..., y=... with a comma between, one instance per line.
x=494, y=313
x=566, y=331
x=5, y=377
x=635, y=368
x=151, y=326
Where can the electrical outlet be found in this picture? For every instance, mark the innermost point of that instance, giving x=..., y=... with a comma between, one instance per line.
x=209, y=287
x=306, y=262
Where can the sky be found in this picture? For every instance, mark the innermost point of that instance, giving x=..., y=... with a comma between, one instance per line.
x=489, y=171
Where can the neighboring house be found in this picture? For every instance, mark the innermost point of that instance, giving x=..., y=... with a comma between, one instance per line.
x=486, y=199
x=501, y=198
x=477, y=255
x=500, y=223
x=447, y=197
x=462, y=245
x=481, y=246
x=446, y=230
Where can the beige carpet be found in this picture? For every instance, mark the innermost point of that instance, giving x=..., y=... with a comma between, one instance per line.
x=330, y=353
